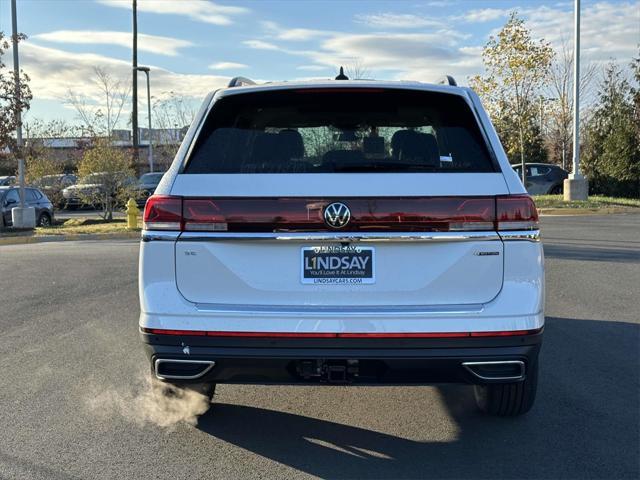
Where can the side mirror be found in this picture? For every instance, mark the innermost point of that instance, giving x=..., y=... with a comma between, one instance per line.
x=10, y=201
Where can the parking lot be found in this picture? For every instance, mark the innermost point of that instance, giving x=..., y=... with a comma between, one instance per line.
x=74, y=403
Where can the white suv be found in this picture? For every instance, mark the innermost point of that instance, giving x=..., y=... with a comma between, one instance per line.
x=339, y=231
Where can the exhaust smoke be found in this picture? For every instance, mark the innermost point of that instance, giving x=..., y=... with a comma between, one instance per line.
x=151, y=402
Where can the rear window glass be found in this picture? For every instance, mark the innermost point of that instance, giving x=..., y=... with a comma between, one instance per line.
x=345, y=130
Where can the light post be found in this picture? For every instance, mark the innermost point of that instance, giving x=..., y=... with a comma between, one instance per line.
x=146, y=70
x=134, y=87
x=542, y=100
x=21, y=217
x=576, y=186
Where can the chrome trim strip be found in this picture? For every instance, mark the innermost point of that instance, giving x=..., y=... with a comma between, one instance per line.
x=516, y=235
x=338, y=311
x=159, y=236
x=172, y=236
x=210, y=364
x=342, y=236
x=469, y=366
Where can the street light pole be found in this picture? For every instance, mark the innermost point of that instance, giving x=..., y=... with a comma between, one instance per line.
x=541, y=113
x=576, y=186
x=147, y=70
x=17, y=97
x=576, y=90
x=21, y=216
x=134, y=87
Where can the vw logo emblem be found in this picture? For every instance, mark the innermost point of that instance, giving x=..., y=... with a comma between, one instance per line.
x=337, y=215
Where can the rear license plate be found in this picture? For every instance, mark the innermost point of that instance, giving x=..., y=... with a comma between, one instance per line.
x=338, y=265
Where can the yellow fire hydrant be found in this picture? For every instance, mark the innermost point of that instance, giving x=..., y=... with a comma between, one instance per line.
x=132, y=214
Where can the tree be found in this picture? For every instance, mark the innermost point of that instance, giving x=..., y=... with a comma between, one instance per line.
x=560, y=133
x=516, y=67
x=39, y=160
x=611, y=153
x=356, y=70
x=108, y=177
x=9, y=104
x=101, y=118
x=172, y=116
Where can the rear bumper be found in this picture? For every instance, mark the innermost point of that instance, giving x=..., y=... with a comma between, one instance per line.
x=275, y=360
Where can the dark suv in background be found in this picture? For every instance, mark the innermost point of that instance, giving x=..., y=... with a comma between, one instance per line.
x=147, y=185
x=10, y=198
x=543, y=178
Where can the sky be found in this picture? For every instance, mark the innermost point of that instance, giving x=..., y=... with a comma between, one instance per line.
x=195, y=46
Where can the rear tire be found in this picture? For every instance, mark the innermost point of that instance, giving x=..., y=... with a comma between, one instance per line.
x=557, y=190
x=508, y=399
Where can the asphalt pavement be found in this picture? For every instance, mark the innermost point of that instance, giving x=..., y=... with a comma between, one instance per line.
x=74, y=401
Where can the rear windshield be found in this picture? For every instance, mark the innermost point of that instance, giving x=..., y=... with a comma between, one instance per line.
x=345, y=130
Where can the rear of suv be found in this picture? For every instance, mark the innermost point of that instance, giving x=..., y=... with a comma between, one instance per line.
x=351, y=232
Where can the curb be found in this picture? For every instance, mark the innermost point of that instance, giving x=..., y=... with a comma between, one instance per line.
x=587, y=211
x=20, y=240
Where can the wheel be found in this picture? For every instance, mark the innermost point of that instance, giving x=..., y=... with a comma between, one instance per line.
x=44, y=220
x=557, y=190
x=508, y=399
x=177, y=390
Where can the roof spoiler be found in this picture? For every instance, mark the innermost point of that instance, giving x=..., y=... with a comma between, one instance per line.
x=240, y=82
x=448, y=80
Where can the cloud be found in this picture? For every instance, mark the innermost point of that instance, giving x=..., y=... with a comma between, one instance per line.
x=274, y=30
x=406, y=56
x=397, y=20
x=199, y=10
x=148, y=43
x=393, y=49
x=227, y=66
x=485, y=15
x=260, y=45
x=312, y=68
x=607, y=30
x=54, y=72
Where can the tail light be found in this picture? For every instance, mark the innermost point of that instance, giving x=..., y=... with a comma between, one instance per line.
x=417, y=214
x=163, y=213
x=516, y=212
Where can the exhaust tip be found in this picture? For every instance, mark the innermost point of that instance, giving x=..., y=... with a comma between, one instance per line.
x=172, y=369
x=502, y=370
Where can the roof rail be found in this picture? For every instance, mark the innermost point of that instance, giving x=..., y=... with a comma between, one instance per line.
x=240, y=82
x=448, y=80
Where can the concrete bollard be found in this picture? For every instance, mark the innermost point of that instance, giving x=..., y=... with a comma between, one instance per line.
x=132, y=214
x=576, y=187
x=23, y=217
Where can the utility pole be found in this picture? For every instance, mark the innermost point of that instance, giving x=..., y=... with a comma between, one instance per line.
x=21, y=216
x=134, y=87
x=576, y=186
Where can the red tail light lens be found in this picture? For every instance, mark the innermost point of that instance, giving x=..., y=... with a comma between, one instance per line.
x=204, y=214
x=367, y=214
x=516, y=212
x=163, y=213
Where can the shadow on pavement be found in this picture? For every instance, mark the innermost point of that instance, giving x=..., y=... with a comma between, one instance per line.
x=571, y=252
x=585, y=423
